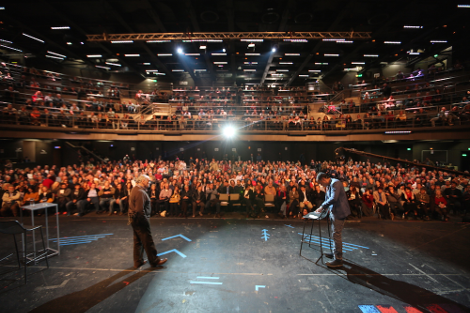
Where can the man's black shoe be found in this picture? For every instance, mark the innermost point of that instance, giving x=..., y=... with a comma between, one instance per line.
x=335, y=264
x=160, y=262
x=140, y=264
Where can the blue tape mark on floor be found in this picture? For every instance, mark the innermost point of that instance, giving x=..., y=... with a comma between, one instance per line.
x=203, y=277
x=184, y=237
x=265, y=235
x=205, y=282
x=259, y=286
x=368, y=309
x=76, y=240
x=289, y=226
x=170, y=251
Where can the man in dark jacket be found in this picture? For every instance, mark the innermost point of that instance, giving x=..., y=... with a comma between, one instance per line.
x=337, y=204
x=139, y=215
x=76, y=195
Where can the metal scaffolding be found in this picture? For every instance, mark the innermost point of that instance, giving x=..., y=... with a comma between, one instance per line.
x=201, y=36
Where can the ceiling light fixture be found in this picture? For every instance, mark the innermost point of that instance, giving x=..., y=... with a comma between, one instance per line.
x=220, y=62
x=412, y=27
x=32, y=37
x=371, y=55
x=438, y=41
x=463, y=6
x=252, y=40
x=56, y=54
x=331, y=55
x=69, y=43
x=251, y=45
x=249, y=70
x=333, y=39
x=114, y=64
x=314, y=71
x=193, y=54
x=60, y=27
x=14, y=49
x=218, y=53
x=164, y=55
x=200, y=70
x=103, y=67
x=296, y=40
x=392, y=42
x=94, y=56
x=319, y=63
x=292, y=54
x=6, y=41
x=53, y=57
x=252, y=54
x=157, y=41
x=358, y=62
x=303, y=75
x=145, y=63
x=285, y=63
x=122, y=41
x=132, y=55
x=202, y=47
x=177, y=70
x=282, y=70
x=344, y=41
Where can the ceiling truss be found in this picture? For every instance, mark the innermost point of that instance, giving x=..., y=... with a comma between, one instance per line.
x=230, y=35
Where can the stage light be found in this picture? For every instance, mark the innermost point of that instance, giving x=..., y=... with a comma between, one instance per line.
x=34, y=38
x=11, y=48
x=60, y=27
x=409, y=149
x=180, y=51
x=223, y=50
x=229, y=132
x=251, y=45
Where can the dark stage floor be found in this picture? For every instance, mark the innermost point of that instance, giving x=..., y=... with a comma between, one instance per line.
x=232, y=265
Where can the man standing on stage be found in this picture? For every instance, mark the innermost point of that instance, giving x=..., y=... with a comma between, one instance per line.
x=139, y=214
x=337, y=204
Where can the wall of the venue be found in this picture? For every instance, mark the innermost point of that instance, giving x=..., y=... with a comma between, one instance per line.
x=59, y=153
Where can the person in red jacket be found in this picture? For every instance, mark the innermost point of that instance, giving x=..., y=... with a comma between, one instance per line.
x=367, y=203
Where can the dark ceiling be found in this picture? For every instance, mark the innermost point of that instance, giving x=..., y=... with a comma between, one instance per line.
x=440, y=20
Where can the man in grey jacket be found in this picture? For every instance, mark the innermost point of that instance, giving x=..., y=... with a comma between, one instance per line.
x=336, y=202
x=139, y=215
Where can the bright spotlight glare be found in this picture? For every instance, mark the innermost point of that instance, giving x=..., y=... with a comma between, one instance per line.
x=224, y=50
x=229, y=131
x=180, y=50
x=273, y=49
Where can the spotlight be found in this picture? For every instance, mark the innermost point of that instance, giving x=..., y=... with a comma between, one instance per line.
x=223, y=50
x=273, y=49
x=229, y=132
x=180, y=51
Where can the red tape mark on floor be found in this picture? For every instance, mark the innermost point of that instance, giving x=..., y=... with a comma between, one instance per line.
x=434, y=308
x=410, y=309
x=386, y=309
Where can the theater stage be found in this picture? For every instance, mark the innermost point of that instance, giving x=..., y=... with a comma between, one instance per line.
x=238, y=265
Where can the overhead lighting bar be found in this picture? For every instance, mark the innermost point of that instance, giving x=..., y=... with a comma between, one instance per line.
x=384, y=63
x=60, y=27
x=360, y=63
x=202, y=40
x=53, y=57
x=94, y=56
x=332, y=39
x=164, y=54
x=193, y=54
x=303, y=75
x=250, y=63
x=2, y=8
x=398, y=132
x=177, y=70
x=103, y=67
x=392, y=42
x=412, y=27
x=220, y=62
x=276, y=74
x=282, y=70
x=296, y=40
x=122, y=41
x=249, y=70
x=145, y=63
x=132, y=55
x=252, y=40
x=56, y=54
x=219, y=53
x=202, y=47
x=292, y=54
x=69, y=43
x=350, y=69
x=320, y=63
x=463, y=6
x=200, y=70
x=14, y=49
x=285, y=63
x=6, y=41
x=438, y=41
x=252, y=54
x=314, y=71
x=114, y=64
x=251, y=45
x=331, y=55
x=413, y=53
x=157, y=41
x=32, y=37
x=371, y=55
x=160, y=73
x=344, y=41
x=151, y=71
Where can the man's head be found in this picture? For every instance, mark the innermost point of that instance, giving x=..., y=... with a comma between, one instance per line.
x=143, y=180
x=323, y=179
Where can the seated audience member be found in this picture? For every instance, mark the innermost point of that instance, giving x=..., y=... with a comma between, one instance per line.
x=380, y=199
x=293, y=202
x=106, y=195
x=423, y=202
x=410, y=205
x=186, y=199
x=199, y=199
x=212, y=199
x=354, y=200
x=153, y=193
x=31, y=196
x=174, y=201
x=394, y=200
x=441, y=117
x=164, y=197
x=367, y=202
x=441, y=206
x=305, y=199
x=249, y=199
x=120, y=198
x=63, y=197
x=453, y=197
x=91, y=198
x=281, y=201
x=259, y=198
x=11, y=201
x=76, y=195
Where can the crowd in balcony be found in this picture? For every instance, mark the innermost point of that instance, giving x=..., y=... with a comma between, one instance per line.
x=257, y=188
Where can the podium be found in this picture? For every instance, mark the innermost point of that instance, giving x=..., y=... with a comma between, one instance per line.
x=311, y=241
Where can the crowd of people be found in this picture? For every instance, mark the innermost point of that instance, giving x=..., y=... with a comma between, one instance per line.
x=196, y=188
